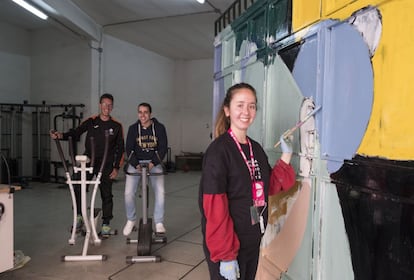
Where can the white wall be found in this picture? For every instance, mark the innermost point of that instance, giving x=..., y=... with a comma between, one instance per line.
x=194, y=97
x=14, y=64
x=61, y=68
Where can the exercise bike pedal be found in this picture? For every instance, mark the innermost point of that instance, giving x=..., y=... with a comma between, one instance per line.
x=159, y=237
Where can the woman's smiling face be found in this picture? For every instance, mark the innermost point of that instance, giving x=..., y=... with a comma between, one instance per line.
x=242, y=109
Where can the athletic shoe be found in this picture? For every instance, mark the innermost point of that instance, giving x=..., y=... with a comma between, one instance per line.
x=106, y=229
x=129, y=226
x=159, y=228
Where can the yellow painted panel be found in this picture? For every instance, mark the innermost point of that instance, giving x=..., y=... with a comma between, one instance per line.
x=390, y=131
x=331, y=6
x=347, y=10
x=304, y=13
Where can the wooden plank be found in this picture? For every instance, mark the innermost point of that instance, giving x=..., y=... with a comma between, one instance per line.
x=6, y=188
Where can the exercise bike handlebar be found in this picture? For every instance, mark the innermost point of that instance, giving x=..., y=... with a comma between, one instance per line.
x=139, y=173
x=144, y=162
x=72, y=155
x=60, y=151
x=71, y=152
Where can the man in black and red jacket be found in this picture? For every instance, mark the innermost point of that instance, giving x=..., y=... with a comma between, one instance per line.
x=95, y=126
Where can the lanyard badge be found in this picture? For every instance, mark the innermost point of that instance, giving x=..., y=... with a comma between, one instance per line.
x=258, y=193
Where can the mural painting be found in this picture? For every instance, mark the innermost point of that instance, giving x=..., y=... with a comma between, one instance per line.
x=351, y=215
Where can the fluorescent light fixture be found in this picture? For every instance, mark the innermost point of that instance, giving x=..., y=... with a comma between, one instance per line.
x=200, y=1
x=31, y=9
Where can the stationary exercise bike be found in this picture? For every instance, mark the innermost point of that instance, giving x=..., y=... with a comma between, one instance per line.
x=90, y=222
x=146, y=236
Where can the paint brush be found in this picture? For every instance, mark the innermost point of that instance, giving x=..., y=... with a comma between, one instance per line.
x=288, y=132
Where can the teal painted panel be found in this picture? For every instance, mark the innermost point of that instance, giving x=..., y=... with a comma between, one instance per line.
x=279, y=15
x=242, y=34
x=258, y=32
x=282, y=103
x=255, y=23
x=264, y=20
x=254, y=74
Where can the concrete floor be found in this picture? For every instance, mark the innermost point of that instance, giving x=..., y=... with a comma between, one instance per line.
x=41, y=230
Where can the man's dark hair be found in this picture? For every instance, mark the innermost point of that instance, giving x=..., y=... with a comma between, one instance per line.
x=145, y=105
x=106, y=95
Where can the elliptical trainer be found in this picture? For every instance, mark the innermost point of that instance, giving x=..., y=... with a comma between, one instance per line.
x=94, y=214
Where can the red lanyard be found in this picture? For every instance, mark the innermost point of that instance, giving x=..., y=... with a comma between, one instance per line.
x=251, y=168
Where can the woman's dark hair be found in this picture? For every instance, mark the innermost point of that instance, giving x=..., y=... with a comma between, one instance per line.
x=223, y=122
x=146, y=105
